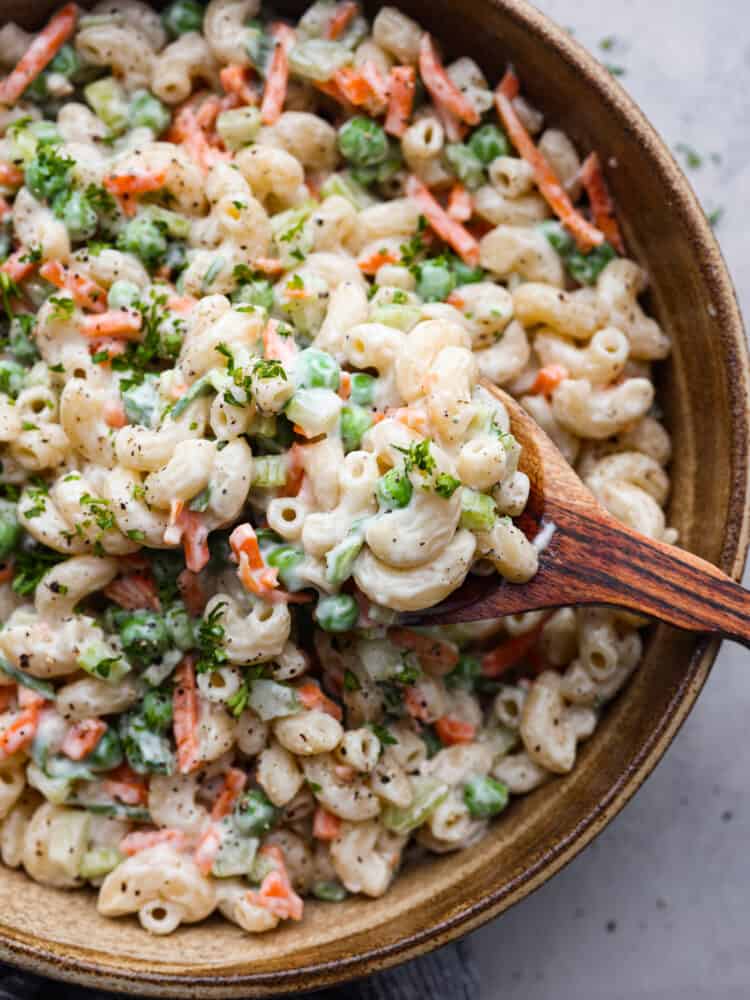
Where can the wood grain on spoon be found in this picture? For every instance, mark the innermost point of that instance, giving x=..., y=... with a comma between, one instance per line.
x=593, y=559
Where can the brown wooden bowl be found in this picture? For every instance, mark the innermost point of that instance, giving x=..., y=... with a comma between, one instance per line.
x=705, y=396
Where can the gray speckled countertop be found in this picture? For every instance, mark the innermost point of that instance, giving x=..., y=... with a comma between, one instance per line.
x=658, y=906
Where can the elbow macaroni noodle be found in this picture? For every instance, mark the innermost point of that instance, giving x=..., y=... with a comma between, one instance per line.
x=242, y=423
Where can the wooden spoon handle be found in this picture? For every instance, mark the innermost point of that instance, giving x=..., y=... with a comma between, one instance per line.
x=631, y=571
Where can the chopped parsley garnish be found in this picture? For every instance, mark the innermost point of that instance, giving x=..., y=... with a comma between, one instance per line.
x=383, y=734
x=351, y=681
x=62, y=308
x=269, y=368
x=30, y=565
x=212, y=655
x=419, y=456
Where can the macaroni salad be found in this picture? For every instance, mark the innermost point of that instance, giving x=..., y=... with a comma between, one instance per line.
x=253, y=277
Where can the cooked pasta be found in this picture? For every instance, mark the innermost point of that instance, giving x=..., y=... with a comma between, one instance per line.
x=252, y=278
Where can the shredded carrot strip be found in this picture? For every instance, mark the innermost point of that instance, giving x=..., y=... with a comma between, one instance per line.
x=548, y=379
x=326, y=825
x=195, y=541
x=363, y=87
x=82, y=738
x=602, y=204
x=234, y=784
x=10, y=175
x=268, y=265
x=447, y=229
x=86, y=293
x=235, y=79
x=207, y=849
x=275, y=346
x=142, y=840
x=402, y=81
x=134, y=591
x=442, y=89
x=376, y=260
x=460, y=206
x=277, y=80
x=452, y=731
x=122, y=324
x=127, y=786
x=21, y=731
x=276, y=893
x=345, y=385
x=312, y=697
x=510, y=652
x=341, y=18
x=135, y=183
x=409, y=416
x=437, y=654
x=114, y=414
x=456, y=300
x=16, y=268
x=185, y=715
x=256, y=577
x=112, y=349
x=39, y=54
x=208, y=112
x=585, y=235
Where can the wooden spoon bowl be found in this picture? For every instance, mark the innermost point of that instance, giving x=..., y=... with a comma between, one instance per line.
x=588, y=557
x=704, y=392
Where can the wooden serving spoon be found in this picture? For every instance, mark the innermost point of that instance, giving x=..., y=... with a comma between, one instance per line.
x=591, y=558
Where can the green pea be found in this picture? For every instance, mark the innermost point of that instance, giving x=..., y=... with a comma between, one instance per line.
x=182, y=16
x=329, y=892
x=12, y=378
x=144, y=635
x=488, y=142
x=180, y=626
x=107, y=753
x=485, y=797
x=465, y=674
x=123, y=294
x=148, y=111
x=66, y=62
x=436, y=280
x=465, y=274
x=79, y=216
x=465, y=164
x=10, y=530
x=363, y=142
x=255, y=293
x=338, y=613
x=394, y=489
x=362, y=388
x=145, y=239
x=157, y=710
x=353, y=423
x=317, y=369
x=286, y=559
x=254, y=814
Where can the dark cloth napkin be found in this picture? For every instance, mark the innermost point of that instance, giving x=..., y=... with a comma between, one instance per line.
x=447, y=974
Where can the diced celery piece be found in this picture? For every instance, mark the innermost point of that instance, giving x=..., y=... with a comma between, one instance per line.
x=340, y=559
x=99, y=861
x=270, y=700
x=269, y=471
x=478, y=512
x=66, y=841
x=345, y=186
x=316, y=411
x=401, y=317
x=41, y=687
x=176, y=225
x=318, y=59
x=236, y=852
x=429, y=792
x=103, y=661
x=109, y=102
x=239, y=126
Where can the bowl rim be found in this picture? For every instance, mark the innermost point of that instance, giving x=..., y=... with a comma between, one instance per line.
x=69, y=963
